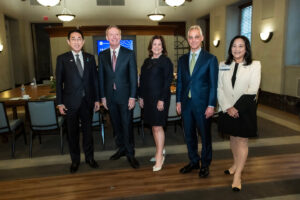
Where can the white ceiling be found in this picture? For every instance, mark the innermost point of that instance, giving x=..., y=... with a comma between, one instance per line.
x=88, y=13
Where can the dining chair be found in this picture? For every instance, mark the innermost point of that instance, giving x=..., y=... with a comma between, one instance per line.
x=98, y=121
x=137, y=119
x=173, y=117
x=12, y=127
x=44, y=121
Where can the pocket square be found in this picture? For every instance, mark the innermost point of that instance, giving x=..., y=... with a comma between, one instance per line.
x=71, y=60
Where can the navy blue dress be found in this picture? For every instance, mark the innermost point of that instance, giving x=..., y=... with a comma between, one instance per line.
x=155, y=81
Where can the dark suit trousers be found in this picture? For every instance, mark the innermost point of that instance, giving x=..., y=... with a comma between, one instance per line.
x=121, y=119
x=84, y=113
x=194, y=120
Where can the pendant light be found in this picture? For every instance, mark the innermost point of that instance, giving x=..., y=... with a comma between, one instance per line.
x=48, y=3
x=66, y=14
x=156, y=15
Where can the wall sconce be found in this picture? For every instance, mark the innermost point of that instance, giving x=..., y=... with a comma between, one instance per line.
x=216, y=42
x=266, y=36
x=1, y=48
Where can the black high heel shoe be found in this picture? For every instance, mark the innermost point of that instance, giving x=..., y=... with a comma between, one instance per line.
x=227, y=172
x=237, y=189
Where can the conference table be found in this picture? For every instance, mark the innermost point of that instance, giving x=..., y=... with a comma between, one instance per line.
x=14, y=97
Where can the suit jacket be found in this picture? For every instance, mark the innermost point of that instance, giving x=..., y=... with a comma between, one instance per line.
x=247, y=83
x=125, y=76
x=69, y=83
x=202, y=82
x=242, y=97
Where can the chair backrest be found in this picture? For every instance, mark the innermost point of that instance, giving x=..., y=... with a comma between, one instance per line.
x=136, y=112
x=4, y=125
x=96, y=118
x=46, y=82
x=172, y=108
x=42, y=115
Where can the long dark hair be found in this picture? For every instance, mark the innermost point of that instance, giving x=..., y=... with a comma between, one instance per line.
x=164, y=51
x=248, y=54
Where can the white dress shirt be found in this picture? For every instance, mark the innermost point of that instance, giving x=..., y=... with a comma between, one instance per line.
x=112, y=52
x=80, y=58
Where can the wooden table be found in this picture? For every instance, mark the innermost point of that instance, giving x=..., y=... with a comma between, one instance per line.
x=13, y=98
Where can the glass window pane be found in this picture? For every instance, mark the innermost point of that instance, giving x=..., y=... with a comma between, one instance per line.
x=246, y=21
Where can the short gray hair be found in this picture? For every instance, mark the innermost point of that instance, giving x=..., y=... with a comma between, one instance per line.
x=195, y=27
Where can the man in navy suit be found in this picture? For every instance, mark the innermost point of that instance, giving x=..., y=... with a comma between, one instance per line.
x=196, y=96
x=118, y=85
x=77, y=96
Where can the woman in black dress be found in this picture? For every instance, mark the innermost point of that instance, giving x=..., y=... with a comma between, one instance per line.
x=155, y=80
x=239, y=79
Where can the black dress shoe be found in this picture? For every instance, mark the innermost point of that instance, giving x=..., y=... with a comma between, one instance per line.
x=117, y=155
x=133, y=162
x=92, y=163
x=204, y=172
x=236, y=189
x=188, y=168
x=74, y=167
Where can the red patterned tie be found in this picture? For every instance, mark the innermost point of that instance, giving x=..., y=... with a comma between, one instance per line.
x=114, y=60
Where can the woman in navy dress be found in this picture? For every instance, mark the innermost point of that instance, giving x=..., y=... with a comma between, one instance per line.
x=155, y=80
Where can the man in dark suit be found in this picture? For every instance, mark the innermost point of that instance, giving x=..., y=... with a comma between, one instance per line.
x=196, y=95
x=118, y=85
x=77, y=95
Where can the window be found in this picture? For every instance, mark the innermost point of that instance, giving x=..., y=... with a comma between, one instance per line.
x=246, y=21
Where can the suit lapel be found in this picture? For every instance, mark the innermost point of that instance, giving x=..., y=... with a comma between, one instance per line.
x=72, y=63
x=108, y=59
x=229, y=75
x=242, y=69
x=119, y=58
x=85, y=63
x=187, y=63
x=200, y=61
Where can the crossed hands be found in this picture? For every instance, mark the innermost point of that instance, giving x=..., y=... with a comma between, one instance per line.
x=233, y=112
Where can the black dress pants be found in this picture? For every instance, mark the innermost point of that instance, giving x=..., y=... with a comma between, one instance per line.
x=82, y=115
x=121, y=119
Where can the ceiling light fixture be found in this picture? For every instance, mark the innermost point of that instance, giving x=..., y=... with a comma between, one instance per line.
x=174, y=3
x=1, y=48
x=48, y=3
x=66, y=14
x=156, y=15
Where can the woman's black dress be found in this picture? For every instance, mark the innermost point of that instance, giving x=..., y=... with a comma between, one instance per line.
x=155, y=80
